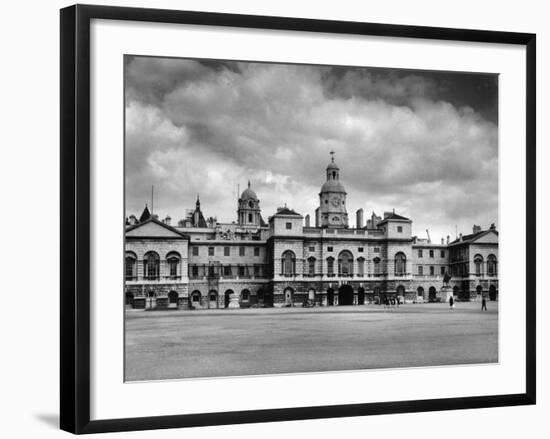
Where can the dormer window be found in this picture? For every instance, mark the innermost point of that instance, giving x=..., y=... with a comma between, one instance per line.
x=399, y=229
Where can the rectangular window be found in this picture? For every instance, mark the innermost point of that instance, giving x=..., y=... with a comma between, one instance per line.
x=195, y=251
x=241, y=251
x=130, y=263
x=399, y=229
x=361, y=267
x=376, y=249
x=241, y=270
x=360, y=249
x=330, y=266
x=442, y=253
x=257, y=270
x=420, y=270
x=256, y=251
x=226, y=251
x=210, y=251
x=442, y=270
x=420, y=255
x=311, y=249
x=432, y=270
x=288, y=226
x=194, y=271
x=173, y=263
x=227, y=270
x=431, y=253
x=249, y=217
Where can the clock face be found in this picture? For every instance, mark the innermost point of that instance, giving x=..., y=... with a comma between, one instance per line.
x=335, y=201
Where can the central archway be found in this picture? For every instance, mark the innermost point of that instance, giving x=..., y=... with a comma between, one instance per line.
x=432, y=294
x=345, y=295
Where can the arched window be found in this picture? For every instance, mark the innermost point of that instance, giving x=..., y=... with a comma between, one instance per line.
x=492, y=265
x=130, y=266
x=151, y=266
x=311, y=265
x=213, y=296
x=345, y=264
x=330, y=266
x=361, y=266
x=245, y=295
x=173, y=259
x=400, y=264
x=288, y=263
x=478, y=262
x=376, y=264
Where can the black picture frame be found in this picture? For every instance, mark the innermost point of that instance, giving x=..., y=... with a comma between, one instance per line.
x=75, y=217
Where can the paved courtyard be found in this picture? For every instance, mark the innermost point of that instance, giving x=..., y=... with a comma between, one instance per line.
x=186, y=344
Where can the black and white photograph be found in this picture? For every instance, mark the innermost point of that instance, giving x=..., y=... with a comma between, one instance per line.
x=295, y=218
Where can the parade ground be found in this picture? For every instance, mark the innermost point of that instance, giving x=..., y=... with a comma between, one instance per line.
x=210, y=343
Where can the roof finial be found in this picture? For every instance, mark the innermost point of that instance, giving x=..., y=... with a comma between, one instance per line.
x=198, y=203
x=248, y=184
x=332, y=156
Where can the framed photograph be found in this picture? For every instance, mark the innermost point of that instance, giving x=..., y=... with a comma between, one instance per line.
x=275, y=218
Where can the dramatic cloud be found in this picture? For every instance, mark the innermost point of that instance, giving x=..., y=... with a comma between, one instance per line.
x=422, y=143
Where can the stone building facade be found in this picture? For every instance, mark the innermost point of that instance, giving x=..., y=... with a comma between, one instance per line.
x=203, y=264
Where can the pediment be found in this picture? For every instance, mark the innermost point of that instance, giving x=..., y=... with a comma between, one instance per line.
x=153, y=229
x=491, y=237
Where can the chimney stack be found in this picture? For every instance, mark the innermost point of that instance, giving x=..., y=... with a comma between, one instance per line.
x=167, y=220
x=442, y=241
x=476, y=229
x=448, y=239
x=359, y=219
x=307, y=220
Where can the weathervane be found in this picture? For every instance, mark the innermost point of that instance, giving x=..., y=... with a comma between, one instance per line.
x=332, y=156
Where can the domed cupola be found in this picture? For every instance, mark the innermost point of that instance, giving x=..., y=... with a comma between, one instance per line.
x=249, y=194
x=332, y=199
x=248, y=212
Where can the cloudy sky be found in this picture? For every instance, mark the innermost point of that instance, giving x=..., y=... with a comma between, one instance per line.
x=423, y=143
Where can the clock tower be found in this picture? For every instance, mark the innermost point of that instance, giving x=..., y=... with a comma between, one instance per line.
x=332, y=211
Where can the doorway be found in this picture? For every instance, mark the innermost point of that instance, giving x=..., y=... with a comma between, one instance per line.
x=345, y=295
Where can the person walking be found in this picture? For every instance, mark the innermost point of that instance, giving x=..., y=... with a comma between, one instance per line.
x=451, y=302
x=483, y=304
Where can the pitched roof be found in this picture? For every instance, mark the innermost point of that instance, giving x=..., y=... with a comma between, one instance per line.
x=394, y=216
x=262, y=222
x=155, y=221
x=201, y=221
x=286, y=211
x=145, y=215
x=473, y=236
